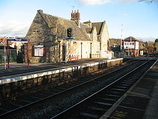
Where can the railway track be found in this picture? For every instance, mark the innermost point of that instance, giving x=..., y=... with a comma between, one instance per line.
x=106, y=99
x=27, y=101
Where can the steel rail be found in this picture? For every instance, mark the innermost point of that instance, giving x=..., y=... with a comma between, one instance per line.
x=68, y=110
x=61, y=92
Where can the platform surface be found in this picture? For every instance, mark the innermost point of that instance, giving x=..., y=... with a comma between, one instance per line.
x=18, y=72
x=142, y=101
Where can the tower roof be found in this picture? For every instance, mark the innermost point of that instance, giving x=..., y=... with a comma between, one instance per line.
x=131, y=38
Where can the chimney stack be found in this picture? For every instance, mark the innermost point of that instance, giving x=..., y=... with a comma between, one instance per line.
x=72, y=15
x=78, y=15
x=75, y=16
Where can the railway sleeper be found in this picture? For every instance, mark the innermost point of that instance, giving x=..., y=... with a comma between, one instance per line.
x=89, y=115
x=115, y=92
x=103, y=103
x=121, y=87
x=94, y=111
x=101, y=106
x=96, y=108
x=117, y=89
x=126, y=83
x=112, y=95
x=108, y=100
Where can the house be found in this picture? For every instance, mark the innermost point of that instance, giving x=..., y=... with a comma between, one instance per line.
x=55, y=39
x=131, y=46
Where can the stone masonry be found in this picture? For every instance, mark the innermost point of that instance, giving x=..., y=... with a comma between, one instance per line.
x=88, y=39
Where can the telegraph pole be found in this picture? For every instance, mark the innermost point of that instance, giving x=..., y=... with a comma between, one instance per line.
x=121, y=45
x=121, y=36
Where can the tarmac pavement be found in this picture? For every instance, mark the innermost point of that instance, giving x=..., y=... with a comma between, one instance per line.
x=16, y=65
x=19, y=68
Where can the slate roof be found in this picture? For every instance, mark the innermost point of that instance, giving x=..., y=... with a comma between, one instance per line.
x=89, y=30
x=52, y=26
x=98, y=26
x=131, y=38
x=62, y=24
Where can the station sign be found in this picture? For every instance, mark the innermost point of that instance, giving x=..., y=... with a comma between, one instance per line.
x=22, y=40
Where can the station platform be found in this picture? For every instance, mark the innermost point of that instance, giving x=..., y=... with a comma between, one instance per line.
x=141, y=102
x=151, y=111
x=19, y=72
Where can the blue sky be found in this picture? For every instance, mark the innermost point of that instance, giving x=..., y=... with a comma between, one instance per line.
x=124, y=17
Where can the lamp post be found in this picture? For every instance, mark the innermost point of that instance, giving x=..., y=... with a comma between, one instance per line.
x=3, y=41
x=81, y=50
x=121, y=45
x=66, y=50
x=27, y=53
x=59, y=50
x=5, y=55
x=8, y=66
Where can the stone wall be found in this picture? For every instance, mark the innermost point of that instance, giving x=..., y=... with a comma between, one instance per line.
x=62, y=75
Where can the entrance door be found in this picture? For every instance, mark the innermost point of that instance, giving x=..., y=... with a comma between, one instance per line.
x=63, y=52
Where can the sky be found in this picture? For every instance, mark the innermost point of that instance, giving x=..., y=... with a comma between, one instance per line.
x=124, y=18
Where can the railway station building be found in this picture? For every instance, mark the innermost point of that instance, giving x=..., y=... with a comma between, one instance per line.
x=55, y=39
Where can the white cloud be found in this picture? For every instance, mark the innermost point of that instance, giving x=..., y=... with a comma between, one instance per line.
x=125, y=14
x=13, y=28
x=94, y=2
x=125, y=1
x=99, y=2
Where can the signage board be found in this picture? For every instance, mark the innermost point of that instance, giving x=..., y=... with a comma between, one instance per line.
x=38, y=50
x=22, y=40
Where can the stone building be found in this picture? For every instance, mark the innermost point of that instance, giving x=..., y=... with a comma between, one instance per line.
x=48, y=40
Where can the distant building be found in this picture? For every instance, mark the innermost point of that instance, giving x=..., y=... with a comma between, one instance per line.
x=131, y=46
x=12, y=54
x=115, y=46
x=156, y=45
x=7, y=51
x=49, y=40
